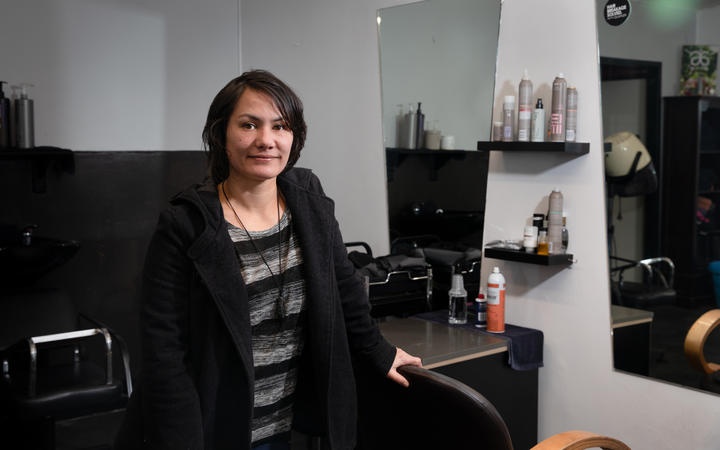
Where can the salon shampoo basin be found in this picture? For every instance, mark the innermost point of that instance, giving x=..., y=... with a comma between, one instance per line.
x=24, y=260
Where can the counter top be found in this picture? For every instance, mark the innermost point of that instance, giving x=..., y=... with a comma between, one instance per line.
x=623, y=316
x=439, y=344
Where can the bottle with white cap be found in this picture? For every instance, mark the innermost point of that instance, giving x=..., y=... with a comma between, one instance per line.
x=496, y=302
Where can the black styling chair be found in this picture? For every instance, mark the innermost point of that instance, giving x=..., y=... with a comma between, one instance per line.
x=435, y=412
x=655, y=289
x=438, y=412
x=65, y=368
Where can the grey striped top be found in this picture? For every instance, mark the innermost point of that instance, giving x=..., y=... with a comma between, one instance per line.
x=277, y=330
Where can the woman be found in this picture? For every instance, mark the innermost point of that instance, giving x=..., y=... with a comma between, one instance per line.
x=252, y=314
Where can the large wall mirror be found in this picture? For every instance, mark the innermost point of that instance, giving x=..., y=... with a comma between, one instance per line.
x=442, y=54
x=654, y=305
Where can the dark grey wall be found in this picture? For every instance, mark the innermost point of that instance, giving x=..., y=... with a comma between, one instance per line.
x=110, y=204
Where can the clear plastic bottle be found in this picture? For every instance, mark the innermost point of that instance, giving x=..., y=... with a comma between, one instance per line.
x=457, y=301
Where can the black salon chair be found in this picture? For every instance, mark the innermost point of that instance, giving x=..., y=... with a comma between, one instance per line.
x=438, y=412
x=655, y=289
x=64, y=366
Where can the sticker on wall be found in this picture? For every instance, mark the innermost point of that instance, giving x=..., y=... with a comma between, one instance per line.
x=617, y=12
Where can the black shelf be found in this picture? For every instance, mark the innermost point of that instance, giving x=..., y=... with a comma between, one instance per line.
x=574, y=148
x=41, y=159
x=564, y=259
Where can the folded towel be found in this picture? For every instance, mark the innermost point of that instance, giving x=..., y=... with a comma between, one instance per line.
x=525, y=345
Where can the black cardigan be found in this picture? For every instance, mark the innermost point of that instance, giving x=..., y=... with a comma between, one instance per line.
x=196, y=388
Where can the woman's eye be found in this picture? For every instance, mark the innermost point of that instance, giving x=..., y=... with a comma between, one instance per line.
x=280, y=126
x=248, y=126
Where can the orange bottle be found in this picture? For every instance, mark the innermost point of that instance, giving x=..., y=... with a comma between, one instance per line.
x=496, y=302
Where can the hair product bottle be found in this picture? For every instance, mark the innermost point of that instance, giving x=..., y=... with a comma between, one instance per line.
x=555, y=209
x=4, y=118
x=557, y=111
x=509, y=118
x=25, y=119
x=538, y=122
x=480, y=311
x=457, y=301
x=409, y=128
x=419, y=128
x=525, y=93
x=496, y=302
x=571, y=120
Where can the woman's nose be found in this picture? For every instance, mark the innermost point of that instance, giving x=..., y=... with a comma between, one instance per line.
x=264, y=138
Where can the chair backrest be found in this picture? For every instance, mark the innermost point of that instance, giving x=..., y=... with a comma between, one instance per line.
x=443, y=413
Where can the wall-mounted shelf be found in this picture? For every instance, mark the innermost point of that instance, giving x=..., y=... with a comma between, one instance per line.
x=574, y=148
x=41, y=158
x=564, y=259
x=435, y=159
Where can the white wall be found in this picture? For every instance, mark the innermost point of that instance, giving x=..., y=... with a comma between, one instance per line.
x=650, y=36
x=327, y=50
x=578, y=387
x=120, y=74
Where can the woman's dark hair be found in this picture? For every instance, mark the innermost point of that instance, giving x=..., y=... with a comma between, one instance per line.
x=223, y=105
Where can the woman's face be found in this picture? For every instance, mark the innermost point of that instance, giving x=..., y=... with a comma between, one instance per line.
x=258, y=141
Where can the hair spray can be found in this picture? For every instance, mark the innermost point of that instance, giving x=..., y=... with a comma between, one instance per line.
x=525, y=93
x=496, y=302
x=538, y=122
x=571, y=120
x=509, y=118
x=557, y=111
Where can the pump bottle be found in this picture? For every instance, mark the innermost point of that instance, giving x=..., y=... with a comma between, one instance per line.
x=457, y=301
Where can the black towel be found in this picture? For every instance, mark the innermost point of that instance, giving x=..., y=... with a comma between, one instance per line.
x=525, y=345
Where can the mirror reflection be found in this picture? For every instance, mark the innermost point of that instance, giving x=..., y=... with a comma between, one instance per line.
x=663, y=182
x=440, y=54
x=438, y=57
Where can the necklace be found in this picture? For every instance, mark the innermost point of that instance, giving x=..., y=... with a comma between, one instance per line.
x=280, y=284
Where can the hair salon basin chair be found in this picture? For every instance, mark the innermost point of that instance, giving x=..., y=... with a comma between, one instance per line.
x=25, y=257
x=655, y=289
x=56, y=365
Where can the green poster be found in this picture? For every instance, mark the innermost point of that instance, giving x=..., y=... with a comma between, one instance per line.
x=699, y=70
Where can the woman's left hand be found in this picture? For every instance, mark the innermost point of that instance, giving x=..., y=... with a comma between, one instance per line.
x=402, y=359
